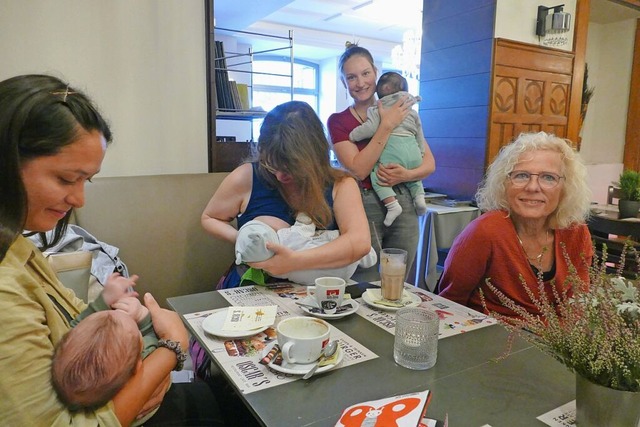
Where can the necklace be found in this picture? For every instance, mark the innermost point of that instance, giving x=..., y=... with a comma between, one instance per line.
x=537, y=258
x=360, y=119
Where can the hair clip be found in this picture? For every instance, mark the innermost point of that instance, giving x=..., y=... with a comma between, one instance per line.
x=66, y=93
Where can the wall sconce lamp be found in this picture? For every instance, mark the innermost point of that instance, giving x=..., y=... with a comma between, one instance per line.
x=556, y=22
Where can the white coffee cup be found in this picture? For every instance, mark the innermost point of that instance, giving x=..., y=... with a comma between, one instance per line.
x=302, y=339
x=328, y=289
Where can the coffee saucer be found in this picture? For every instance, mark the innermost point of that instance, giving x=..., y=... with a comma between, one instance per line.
x=214, y=323
x=301, y=369
x=348, y=307
x=373, y=297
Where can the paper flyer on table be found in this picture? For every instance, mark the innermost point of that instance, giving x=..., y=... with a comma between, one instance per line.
x=454, y=318
x=240, y=357
x=404, y=410
x=564, y=416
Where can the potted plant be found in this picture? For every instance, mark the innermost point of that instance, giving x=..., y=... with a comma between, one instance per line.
x=629, y=203
x=595, y=332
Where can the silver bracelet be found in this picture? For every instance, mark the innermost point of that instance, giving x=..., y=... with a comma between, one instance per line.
x=175, y=346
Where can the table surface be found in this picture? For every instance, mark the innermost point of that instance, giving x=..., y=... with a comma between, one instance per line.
x=467, y=383
x=605, y=219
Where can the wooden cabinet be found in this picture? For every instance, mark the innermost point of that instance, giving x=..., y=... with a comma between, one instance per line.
x=531, y=86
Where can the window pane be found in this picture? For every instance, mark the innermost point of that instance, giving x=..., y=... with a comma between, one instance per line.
x=268, y=100
x=272, y=67
x=304, y=76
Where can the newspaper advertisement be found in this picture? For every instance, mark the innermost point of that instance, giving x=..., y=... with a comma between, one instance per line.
x=240, y=357
x=454, y=318
x=564, y=416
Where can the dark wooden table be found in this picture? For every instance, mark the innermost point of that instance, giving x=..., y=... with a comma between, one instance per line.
x=605, y=221
x=467, y=383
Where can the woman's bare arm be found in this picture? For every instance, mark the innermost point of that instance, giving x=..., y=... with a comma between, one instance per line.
x=140, y=393
x=353, y=243
x=227, y=202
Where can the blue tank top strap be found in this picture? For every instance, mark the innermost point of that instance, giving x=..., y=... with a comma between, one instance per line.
x=328, y=196
x=265, y=200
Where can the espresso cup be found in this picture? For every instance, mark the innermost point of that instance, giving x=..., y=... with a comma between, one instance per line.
x=328, y=289
x=302, y=339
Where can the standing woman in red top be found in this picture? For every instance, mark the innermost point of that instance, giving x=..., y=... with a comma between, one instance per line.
x=359, y=75
x=536, y=200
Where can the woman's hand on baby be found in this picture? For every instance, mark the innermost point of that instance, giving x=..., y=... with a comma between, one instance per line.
x=131, y=306
x=280, y=263
x=118, y=286
x=391, y=174
x=166, y=323
x=392, y=116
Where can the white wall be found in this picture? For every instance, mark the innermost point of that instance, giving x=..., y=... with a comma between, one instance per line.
x=516, y=20
x=609, y=55
x=142, y=61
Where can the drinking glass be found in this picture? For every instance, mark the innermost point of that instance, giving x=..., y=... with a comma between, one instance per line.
x=416, y=341
x=393, y=270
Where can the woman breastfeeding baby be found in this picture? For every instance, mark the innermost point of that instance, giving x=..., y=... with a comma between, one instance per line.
x=291, y=175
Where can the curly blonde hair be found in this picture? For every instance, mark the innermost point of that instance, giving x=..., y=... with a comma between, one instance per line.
x=575, y=199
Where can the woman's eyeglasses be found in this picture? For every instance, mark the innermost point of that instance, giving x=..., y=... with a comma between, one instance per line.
x=545, y=179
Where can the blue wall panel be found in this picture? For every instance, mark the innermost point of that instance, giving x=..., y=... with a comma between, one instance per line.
x=470, y=58
x=438, y=9
x=469, y=26
x=455, y=82
x=472, y=90
x=455, y=122
x=458, y=152
x=463, y=187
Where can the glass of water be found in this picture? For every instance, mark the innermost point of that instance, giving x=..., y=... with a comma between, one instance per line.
x=416, y=341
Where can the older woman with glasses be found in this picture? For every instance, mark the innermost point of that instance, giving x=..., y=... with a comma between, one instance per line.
x=536, y=200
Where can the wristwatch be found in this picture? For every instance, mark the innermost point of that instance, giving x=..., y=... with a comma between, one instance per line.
x=177, y=349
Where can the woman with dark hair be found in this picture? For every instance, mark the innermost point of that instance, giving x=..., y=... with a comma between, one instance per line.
x=52, y=141
x=292, y=174
x=359, y=74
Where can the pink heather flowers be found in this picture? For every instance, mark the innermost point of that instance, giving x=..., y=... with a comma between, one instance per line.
x=595, y=332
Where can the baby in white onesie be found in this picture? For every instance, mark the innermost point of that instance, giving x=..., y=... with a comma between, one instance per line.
x=253, y=236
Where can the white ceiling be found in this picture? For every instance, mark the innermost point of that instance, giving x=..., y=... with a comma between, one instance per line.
x=321, y=27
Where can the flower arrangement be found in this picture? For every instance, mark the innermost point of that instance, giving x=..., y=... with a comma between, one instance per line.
x=595, y=332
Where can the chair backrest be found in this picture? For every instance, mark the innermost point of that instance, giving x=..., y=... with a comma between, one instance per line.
x=613, y=193
x=614, y=255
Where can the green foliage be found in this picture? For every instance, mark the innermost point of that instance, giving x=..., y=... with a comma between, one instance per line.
x=629, y=184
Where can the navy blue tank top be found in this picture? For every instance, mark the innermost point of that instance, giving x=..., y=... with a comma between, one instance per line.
x=267, y=200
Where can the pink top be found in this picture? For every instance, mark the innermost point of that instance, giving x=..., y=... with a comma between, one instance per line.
x=340, y=126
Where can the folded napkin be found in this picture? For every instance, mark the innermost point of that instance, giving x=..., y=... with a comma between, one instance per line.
x=375, y=296
x=248, y=318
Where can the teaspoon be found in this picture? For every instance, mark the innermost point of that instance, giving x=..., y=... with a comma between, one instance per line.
x=327, y=352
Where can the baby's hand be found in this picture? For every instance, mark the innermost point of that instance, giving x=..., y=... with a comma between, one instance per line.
x=117, y=287
x=133, y=307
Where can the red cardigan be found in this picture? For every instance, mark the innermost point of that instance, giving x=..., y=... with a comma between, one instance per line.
x=489, y=248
